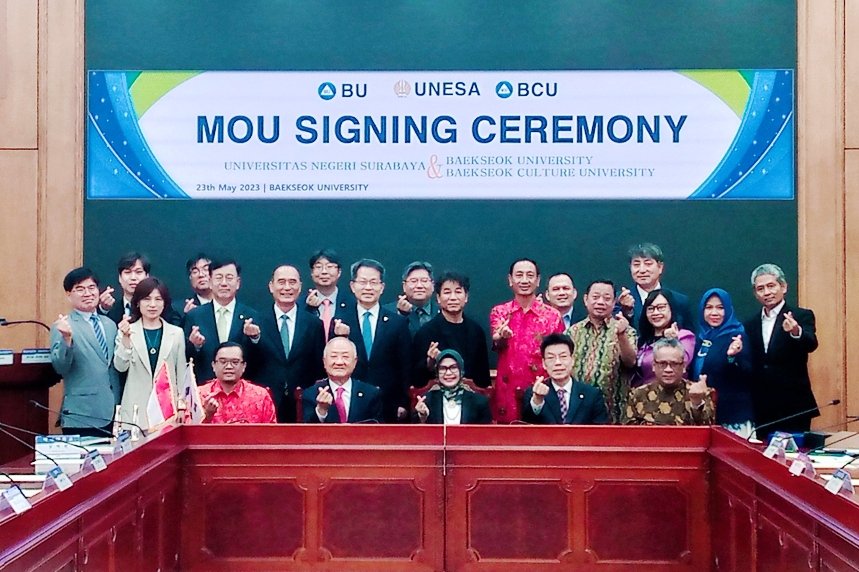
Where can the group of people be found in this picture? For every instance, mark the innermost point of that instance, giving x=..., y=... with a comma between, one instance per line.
x=636, y=355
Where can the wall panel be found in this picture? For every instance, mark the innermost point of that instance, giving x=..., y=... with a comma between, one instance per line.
x=18, y=73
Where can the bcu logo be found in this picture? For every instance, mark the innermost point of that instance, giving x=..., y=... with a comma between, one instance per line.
x=504, y=89
x=327, y=91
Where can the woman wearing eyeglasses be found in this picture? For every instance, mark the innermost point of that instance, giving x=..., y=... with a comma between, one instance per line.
x=657, y=322
x=451, y=401
x=723, y=354
x=144, y=343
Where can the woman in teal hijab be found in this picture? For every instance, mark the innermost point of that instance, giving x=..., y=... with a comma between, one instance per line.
x=451, y=401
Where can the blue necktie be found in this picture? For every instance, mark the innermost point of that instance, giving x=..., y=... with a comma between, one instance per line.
x=367, y=332
x=284, y=334
x=99, y=334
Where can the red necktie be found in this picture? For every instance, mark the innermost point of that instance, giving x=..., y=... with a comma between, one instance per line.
x=326, y=315
x=341, y=407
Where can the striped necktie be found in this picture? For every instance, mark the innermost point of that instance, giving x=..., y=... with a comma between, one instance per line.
x=99, y=334
x=562, y=393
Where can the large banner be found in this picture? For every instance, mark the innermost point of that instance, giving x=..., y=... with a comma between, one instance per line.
x=712, y=134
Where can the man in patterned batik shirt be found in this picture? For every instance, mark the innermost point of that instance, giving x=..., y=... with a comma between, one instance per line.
x=604, y=348
x=230, y=399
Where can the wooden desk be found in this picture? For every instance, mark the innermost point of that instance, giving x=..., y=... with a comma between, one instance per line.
x=19, y=383
x=507, y=498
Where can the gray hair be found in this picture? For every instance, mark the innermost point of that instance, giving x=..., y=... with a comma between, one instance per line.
x=771, y=269
x=673, y=343
x=646, y=250
x=368, y=263
x=351, y=343
x=417, y=265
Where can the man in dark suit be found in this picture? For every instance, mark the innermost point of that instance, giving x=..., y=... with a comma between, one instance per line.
x=325, y=300
x=416, y=302
x=561, y=295
x=208, y=326
x=563, y=400
x=781, y=337
x=339, y=398
x=647, y=264
x=381, y=337
x=201, y=286
x=132, y=269
x=287, y=344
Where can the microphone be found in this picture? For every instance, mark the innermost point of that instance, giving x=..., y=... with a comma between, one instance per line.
x=88, y=426
x=4, y=322
x=49, y=437
x=7, y=433
x=800, y=414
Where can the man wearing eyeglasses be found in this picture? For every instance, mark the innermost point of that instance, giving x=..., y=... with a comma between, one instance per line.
x=325, y=300
x=231, y=399
x=416, y=302
x=82, y=344
x=381, y=337
x=670, y=399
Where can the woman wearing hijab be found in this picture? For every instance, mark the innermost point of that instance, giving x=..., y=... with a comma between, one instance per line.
x=451, y=401
x=722, y=354
x=144, y=342
x=658, y=320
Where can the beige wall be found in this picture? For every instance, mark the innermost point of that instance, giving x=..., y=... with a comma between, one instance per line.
x=41, y=161
x=41, y=175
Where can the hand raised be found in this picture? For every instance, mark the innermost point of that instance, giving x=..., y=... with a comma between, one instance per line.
x=403, y=304
x=64, y=327
x=698, y=390
x=124, y=326
x=196, y=338
x=502, y=331
x=625, y=299
x=210, y=407
x=313, y=298
x=324, y=399
x=189, y=305
x=736, y=346
x=790, y=324
x=541, y=389
x=106, y=299
x=671, y=332
x=433, y=351
x=620, y=323
x=250, y=329
x=341, y=329
x=421, y=408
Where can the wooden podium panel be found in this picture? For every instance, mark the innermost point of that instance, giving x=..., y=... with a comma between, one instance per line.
x=310, y=497
x=597, y=498
x=19, y=383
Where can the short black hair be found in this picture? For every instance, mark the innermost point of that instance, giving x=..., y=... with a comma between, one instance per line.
x=78, y=275
x=192, y=262
x=599, y=281
x=646, y=250
x=143, y=290
x=556, y=274
x=452, y=276
x=327, y=254
x=518, y=260
x=220, y=263
x=129, y=259
x=417, y=265
x=229, y=345
x=554, y=340
x=368, y=263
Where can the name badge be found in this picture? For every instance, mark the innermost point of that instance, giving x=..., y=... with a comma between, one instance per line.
x=57, y=477
x=16, y=499
x=95, y=460
x=839, y=482
x=802, y=465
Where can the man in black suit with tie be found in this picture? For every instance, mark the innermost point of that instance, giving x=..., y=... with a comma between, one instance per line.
x=208, y=326
x=339, y=398
x=781, y=337
x=563, y=400
x=381, y=337
x=286, y=346
x=201, y=286
x=326, y=300
x=647, y=264
x=416, y=302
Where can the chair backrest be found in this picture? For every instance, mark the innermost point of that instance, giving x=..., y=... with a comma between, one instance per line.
x=414, y=392
x=299, y=410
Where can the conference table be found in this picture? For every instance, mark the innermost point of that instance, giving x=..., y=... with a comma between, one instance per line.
x=435, y=498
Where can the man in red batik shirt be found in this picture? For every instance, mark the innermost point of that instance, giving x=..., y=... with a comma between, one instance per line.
x=518, y=327
x=230, y=399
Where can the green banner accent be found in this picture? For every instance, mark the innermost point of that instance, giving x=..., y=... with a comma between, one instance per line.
x=149, y=87
x=729, y=85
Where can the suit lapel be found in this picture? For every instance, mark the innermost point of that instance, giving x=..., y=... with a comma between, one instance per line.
x=168, y=338
x=465, y=411
x=272, y=330
x=208, y=325
x=138, y=341
x=575, y=402
x=240, y=314
x=300, y=327
x=86, y=331
x=553, y=403
x=356, y=404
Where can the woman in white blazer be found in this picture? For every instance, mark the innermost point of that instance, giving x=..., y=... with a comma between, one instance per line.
x=144, y=342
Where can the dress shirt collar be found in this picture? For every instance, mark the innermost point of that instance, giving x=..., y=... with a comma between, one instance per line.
x=86, y=315
x=238, y=390
x=374, y=311
x=643, y=294
x=566, y=388
x=231, y=306
x=347, y=387
x=332, y=297
x=773, y=314
x=291, y=314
